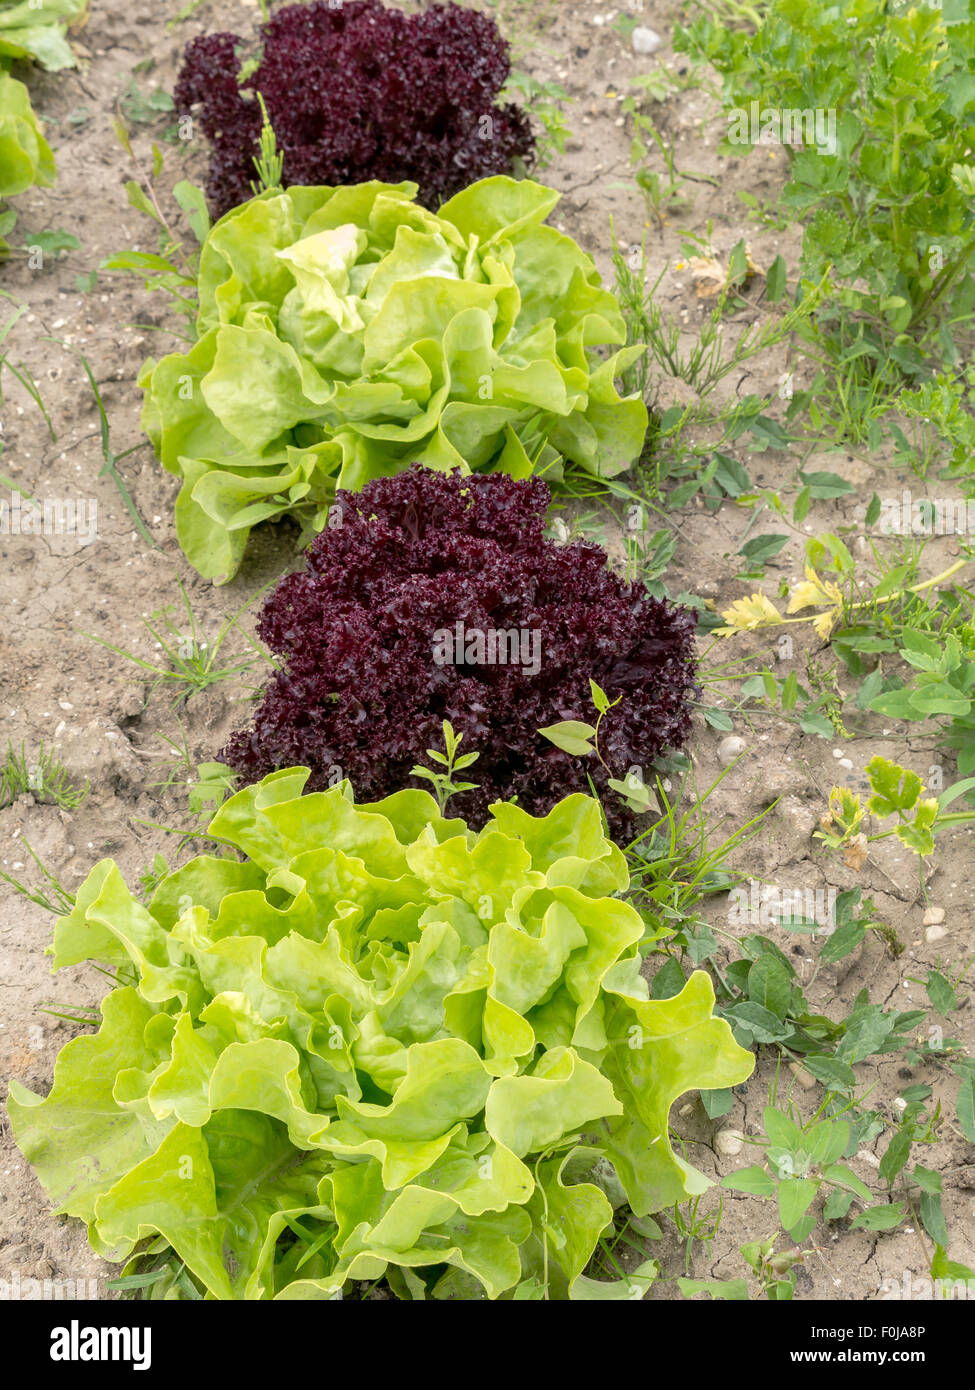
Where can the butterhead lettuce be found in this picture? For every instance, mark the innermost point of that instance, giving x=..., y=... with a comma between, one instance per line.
x=34, y=30
x=379, y=1045
x=345, y=333
x=25, y=156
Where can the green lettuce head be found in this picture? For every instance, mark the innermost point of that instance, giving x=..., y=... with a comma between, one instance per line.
x=381, y=1045
x=25, y=156
x=35, y=30
x=345, y=333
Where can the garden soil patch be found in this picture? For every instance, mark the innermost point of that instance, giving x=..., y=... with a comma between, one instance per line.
x=111, y=727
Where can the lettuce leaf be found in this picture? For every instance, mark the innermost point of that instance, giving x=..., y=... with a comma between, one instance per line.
x=381, y=1045
x=35, y=29
x=345, y=333
x=25, y=156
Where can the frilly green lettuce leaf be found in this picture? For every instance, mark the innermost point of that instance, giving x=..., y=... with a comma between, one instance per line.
x=78, y=1138
x=659, y=1049
x=382, y=1045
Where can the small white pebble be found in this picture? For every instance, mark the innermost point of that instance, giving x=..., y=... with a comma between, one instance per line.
x=645, y=40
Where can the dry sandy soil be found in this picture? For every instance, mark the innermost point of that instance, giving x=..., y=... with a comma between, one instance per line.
x=94, y=708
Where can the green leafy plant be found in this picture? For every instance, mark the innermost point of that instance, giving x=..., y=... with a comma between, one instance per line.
x=816, y=709
x=36, y=30
x=25, y=156
x=887, y=190
x=268, y=163
x=938, y=418
x=212, y=785
x=366, y=333
x=801, y=1164
x=151, y=875
x=143, y=108
x=33, y=30
x=661, y=192
x=896, y=792
x=944, y=685
x=444, y=786
x=775, y=1271
x=800, y=1160
x=764, y=1001
x=544, y=101
x=172, y=269
x=580, y=739
x=379, y=1045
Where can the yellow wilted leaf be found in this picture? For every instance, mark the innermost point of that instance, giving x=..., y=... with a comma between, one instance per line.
x=747, y=613
x=824, y=624
x=806, y=596
x=855, y=852
x=814, y=592
x=710, y=276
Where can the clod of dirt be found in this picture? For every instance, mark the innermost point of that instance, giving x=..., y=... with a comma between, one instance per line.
x=728, y=1142
x=102, y=755
x=729, y=749
x=669, y=391
x=933, y=916
x=128, y=703
x=797, y=821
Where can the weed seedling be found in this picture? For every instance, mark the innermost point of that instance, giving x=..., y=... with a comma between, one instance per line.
x=544, y=101
x=193, y=662
x=444, y=786
x=52, y=897
x=172, y=270
x=268, y=164
x=46, y=779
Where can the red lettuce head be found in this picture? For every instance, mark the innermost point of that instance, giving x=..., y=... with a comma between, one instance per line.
x=357, y=92
x=371, y=662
